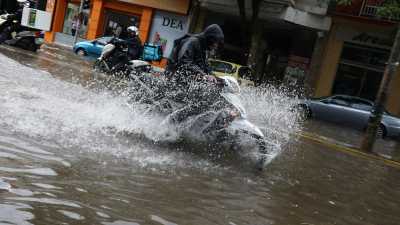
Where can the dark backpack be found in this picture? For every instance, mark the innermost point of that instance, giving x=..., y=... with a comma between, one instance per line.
x=175, y=51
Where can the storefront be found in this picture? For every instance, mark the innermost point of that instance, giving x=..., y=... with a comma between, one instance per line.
x=167, y=27
x=107, y=17
x=354, y=60
x=360, y=70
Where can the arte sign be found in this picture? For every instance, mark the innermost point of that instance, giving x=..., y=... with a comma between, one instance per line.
x=382, y=39
x=372, y=39
x=166, y=28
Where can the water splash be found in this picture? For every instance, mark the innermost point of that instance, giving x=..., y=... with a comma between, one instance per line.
x=35, y=104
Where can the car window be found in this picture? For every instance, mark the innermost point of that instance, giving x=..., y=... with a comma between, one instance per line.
x=361, y=104
x=103, y=40
x=339, y=100
x=218, y=66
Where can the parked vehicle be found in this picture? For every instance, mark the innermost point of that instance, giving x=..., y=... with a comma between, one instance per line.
x=222, y=68
x=6, y=19
x=91, y=48
x=28, y=40
x=349, y=110
x=12, y=33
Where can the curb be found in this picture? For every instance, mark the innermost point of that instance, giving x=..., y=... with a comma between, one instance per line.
x=349, y=150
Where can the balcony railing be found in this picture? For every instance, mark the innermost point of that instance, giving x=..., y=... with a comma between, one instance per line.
x=362, y=8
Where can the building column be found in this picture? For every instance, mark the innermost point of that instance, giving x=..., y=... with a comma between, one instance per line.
x=57, y=8
x=316, y=61
x=197, y=25
x=256, y=59
x=330, y=61
x=393, y=99
x=96, y=20
x=145, y=23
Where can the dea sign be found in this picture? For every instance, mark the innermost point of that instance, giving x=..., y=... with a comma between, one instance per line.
x=166, y=28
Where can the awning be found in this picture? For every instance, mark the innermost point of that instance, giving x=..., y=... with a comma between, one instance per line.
x=306, y=19
x=177, y=6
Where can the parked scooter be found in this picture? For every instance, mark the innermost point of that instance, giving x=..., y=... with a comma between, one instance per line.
x=28, y=40
x=12, y=33
x=6, y=20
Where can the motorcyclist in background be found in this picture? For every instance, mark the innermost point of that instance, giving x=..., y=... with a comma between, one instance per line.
x=120, y=58
x=134, y=43
x=189, y=70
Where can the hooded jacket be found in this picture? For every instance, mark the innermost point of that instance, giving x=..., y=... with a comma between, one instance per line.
x=191, y=49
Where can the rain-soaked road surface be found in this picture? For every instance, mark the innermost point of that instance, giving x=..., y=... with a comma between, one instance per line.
x=65, y=159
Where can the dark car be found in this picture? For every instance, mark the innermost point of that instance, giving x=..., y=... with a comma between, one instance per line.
x=349, y=110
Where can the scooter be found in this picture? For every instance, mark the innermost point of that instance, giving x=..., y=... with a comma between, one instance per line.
x=227, y=126
x=113, y=60
x=28, y=40
x=12, y=33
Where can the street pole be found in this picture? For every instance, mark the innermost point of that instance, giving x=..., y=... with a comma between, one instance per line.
x=79, y=23
x=376, y=114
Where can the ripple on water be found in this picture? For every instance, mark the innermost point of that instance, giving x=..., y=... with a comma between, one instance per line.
x=35, y=171
x=50, y=201
x=71, y=215
x=120, y=222
x=13, y=213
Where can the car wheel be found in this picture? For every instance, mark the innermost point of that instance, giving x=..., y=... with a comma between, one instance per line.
x=81, y=52
x=381, y=132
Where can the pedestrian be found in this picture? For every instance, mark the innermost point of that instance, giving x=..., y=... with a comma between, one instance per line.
x=118, y=31
x=75, y=24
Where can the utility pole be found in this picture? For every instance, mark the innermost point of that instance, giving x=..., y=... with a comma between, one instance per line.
x=79, y=23
x=376, y=114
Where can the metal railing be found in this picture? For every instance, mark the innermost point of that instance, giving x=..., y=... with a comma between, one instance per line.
x=370, y=8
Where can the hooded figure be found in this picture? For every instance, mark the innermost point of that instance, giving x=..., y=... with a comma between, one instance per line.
x=190, y=73
x=191, y=49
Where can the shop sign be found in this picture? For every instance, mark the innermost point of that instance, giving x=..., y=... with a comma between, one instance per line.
x=37, y=19
x=382, y=39
x=166, y=28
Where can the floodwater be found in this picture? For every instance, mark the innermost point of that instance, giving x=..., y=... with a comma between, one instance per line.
x=72, y=152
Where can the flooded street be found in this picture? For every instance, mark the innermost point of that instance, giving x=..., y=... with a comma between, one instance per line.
x=72, y=152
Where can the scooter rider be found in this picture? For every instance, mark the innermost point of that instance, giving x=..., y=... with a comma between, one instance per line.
x=188, y=69
x=192, y=49
x=133, y=43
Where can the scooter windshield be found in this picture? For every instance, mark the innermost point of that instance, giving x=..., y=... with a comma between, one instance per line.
x=235, y=101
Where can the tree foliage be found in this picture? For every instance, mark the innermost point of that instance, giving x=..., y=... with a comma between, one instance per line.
x=390, y=9
x=387, y=8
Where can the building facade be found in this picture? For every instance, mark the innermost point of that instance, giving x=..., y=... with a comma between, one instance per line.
x=355, y=52
x=282, y=41
x=106, y=17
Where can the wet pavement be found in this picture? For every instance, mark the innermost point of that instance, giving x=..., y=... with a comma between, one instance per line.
x=64, y=159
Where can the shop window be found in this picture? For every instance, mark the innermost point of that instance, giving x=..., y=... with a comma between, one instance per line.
x=72, y=18
x=116, y=24
x=360, y=71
